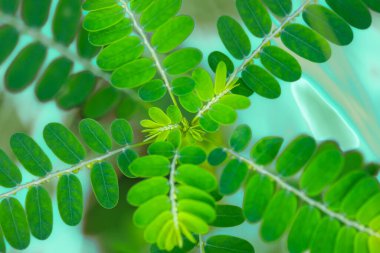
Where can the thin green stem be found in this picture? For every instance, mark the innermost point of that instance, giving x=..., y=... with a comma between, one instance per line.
x=172, y=194
x=302, y=196
x=201, y=245
x=72, y=169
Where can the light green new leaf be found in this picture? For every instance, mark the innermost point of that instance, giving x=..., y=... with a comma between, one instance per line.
x=232, y=177
x=147, y=189
x=255, y=17
x=370, y=210
x=103, y=18
x=158, y=12
x=14, y=223
x=174, y=113
x=150, y=166
x=153, y=90
x=63, y=143
x=220, y=78
x=278, y=215
x=296, y=154
x=279, y=8
x=134, y=74
x=333, y=27
x=198, y=208
x=10, y=175
x=353, y=11
x=105, y=184
x=122, y=132
x=266, y=149
x=29, y=153
x=280, y=63
x=306, y=43
x=258, y=193
x=120, y=53
x=39, y=211
x=222, y=114
x=228, y=216
x=151, y=209
x=95, y=136
x=325, y=236
x=203, y=84
x=159, y=116
x=260, y=81
x=195, y=176
x=192, y=154
x=233, y=37
x=240, y=137
x=182, y=61
x=227, y=244
x=70, y=199
x=171, y=34
x=345, y=240
x=208, y=124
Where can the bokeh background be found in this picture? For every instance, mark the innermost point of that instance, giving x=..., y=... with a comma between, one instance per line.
x=337, y=100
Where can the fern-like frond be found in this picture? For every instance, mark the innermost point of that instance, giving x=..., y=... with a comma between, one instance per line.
x=323, y=197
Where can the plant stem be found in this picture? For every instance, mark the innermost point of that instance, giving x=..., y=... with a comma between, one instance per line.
x=139, y=30
x=74, y=168
x=172, y=194
x=201, y=244
x=302, y=196
x=248, y=59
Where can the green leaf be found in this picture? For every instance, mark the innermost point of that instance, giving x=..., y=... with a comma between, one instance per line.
x=190, y=102
x=35, y=14
x=183, y=85
x=10, y=175
x=198, y=208
x=278, y=215
x=153, y=90
x=345, y=240
x=14, y=223
x=323, y=168
x=9, y=38
x=216, y=57
x=279, y=8
x=93, y=5
x=189, y=192
x=191, y=154
x=147, y=189
x=103, y=18
x=124, y=160
x=306, y=43
x=232, y=177
x=140, y=5
x=76, y=90
x=328, y=24
x=150, y=166
x=28, y=62
x=240, y=137
x=119, y=53
x=370, y=210
x=295, y=156
x=63, y=143
x=122, y=132
x=242, y=89
x=158, y=13
x=325, y=236
x=30, y=155
x=266, y=149
x=258, y=193
x=222, y=114
x=220, y=78
x=235, y=101
x=162, y=148
x=203, y=84
x=353, y=11
x=9, y=7
x=65, y=21
x=151, y=209
x=255, y=17
x=39, y=210
x=53, y=78
x=171, y=34
x=134, y=74
x=260, y=81
x=193, y=223
x=228, y=216
x=2, y=242
x=303, y=228
x=105, y=184
x=280, y=63
x=182, y=61
x=227, y=244
x=102, y=102
x=95, y=136
x=70, y=199
x=111, y=34
x=195, y=176
x=174, y=113
x=159, y=116
x=373, y=4
x=233, y=37
x=361, y=243
x=217, y=156
x=208, y=124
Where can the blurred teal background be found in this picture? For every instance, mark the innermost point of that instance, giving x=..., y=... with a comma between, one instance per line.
x=337, y=100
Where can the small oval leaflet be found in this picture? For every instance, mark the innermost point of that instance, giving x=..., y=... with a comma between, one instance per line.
x=162, y=148
x=222, y=114
x=182, y=60
x=39, y=210
x=192, y=154
x=279, y=8
x=147, y=189
x=153, y=90
x=228, y=216
x=150, y=166
x=95, y=136
x=105, y=184
x=227, y=244
x=122, y=132
x=195, y=176
x=103, y=18
x=232, y=177
x=10, y=174
x=240, y=137
x=217, y=156
x=63, y=143
x=266, y=149
x=70, y=199
x=124, y=160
